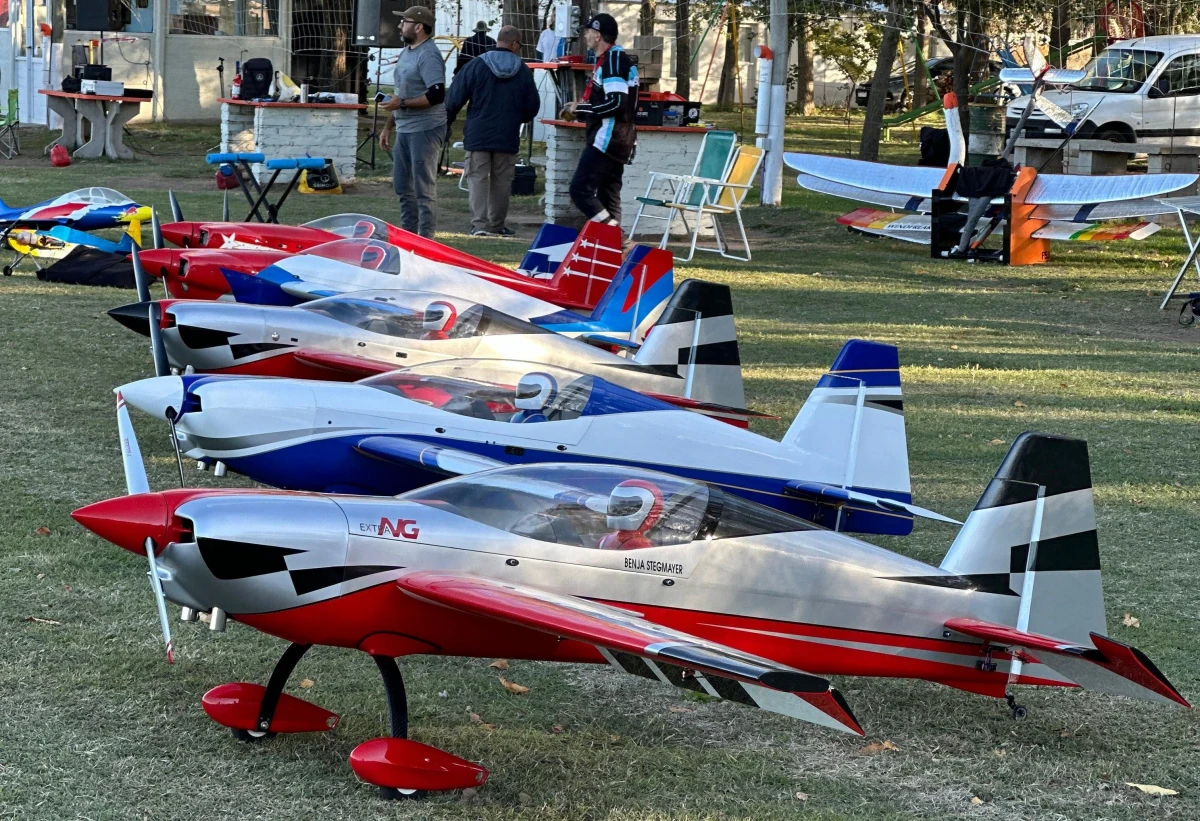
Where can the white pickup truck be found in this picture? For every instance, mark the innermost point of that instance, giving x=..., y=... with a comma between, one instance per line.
x=1143, y=90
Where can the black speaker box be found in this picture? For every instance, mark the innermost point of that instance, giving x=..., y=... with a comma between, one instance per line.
x=374, y=24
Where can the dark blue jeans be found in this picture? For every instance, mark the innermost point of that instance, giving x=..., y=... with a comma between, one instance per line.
x=414, y=178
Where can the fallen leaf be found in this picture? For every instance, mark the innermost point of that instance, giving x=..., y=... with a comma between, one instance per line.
x=1000, y=753
x=996, y=442
x=1152, y=789
x=488, y=726
x=875, y=748
x=42, y=531
x=675, y=708
x=614, y=739
x=443, y=694
x=1063, y=385
x=36, y=620
x=499, y=664
x=801, y=796
x=1018, y=404
x=954, y=347
x=66, y=588
x=307, y=683
x=513, y=687
x=467, y=795
x=976, y=800
x=556, y=729
x=1131, y=621
x=525, y=798
x=41, y=576
x=1066, y=734
x=474, y=716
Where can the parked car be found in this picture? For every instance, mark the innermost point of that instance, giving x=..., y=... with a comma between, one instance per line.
x=1146, y=89
x=898, y=93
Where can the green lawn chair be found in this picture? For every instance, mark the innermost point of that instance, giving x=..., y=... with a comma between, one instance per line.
x=716, y=152
x=10, y=143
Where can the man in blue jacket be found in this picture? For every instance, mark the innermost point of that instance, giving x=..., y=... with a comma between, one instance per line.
x=503, y=95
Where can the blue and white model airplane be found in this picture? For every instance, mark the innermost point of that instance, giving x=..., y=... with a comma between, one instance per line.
x=843, y=461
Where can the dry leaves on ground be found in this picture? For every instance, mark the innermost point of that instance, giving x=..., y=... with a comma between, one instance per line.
x=1018, y=404
x=306, y=684
x=500, y=664
x=876, y=747
x=801, y=796
x=976, y=800
x=42, y=531
x=513, y=687
x=997, y=442
x=1131, y=621
x=1152, y=789
x=36, y=620
x=676, y=708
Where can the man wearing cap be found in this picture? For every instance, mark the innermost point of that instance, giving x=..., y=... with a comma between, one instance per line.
x=475, y=45
x=418, y=123
x=503, y=95
x=609, y=107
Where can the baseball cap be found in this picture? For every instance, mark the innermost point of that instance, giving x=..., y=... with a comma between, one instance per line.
x=419, y=14
x=606, y=24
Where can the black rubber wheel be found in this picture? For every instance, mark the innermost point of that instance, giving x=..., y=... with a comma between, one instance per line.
x=8, y=270
x=252, y=736
x=1020, y=712
x=1112, y=135
x=394, y=794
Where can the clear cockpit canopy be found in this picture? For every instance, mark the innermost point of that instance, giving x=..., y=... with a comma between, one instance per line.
x=352, y=226
x=490, y=388
x=402, y=313
x=93, y=196
x=372, y=254
x=586, y=506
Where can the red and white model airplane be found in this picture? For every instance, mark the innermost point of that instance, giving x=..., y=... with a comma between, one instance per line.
x=568, y=268
x=655, y=575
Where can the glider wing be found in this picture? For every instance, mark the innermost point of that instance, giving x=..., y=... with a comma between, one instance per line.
x=912, y=181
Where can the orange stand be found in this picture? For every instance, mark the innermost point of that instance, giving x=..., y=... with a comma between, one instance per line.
x=1023, y=248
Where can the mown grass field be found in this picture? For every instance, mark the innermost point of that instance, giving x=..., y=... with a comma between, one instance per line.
x=93, y=723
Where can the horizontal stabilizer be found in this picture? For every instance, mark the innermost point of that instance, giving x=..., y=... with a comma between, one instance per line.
x=634, y=644
x=1109, y=666
x=912, y=181
x=607, y=342
x=1096, y=231
x=826, y=494
x=413, y=453
x=851, y=192
x=359, y=366
x=1070, y=189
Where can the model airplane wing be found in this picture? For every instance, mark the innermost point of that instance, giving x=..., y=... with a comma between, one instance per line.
x=1069, y=189
x=1101, y=212
x=1109, y=666
x=902, y=202
x=414, y=453
x=1096, y=231
x=886, y=222
x=1051, y=76
x=635, y=645
x=911, y=181
x=300, y=289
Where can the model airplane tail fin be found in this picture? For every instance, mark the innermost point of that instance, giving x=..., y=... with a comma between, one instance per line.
x=855, y=417
x=589, y=265
x=548, y=249
x=636, y=296
x=695, y=339
x=1033, y=533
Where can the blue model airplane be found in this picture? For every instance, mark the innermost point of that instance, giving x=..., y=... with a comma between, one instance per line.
x=87, y=209
x=842, y=463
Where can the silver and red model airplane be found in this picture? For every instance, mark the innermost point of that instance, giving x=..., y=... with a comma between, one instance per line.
x=567, y=267
x=665, y=578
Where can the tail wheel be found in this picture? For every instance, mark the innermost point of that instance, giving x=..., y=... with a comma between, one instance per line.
x=252, y=736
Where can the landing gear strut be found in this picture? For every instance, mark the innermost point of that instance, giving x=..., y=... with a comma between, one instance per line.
x=393, y=684
x=270, y=700
x=1018, y=711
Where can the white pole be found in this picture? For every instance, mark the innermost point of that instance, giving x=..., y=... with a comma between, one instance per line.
x=772, y=186
x=762, y=109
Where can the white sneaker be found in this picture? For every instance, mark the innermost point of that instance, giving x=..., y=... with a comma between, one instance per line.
x=604, y=217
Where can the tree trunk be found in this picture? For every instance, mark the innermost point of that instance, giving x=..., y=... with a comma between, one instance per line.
x=1060, y=32
x=683, y=49
x=921, y=76
x=868, y=147
x=646, y=18
x=805, y=55
x=727, y=90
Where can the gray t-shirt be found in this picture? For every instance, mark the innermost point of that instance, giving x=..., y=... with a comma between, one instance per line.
x=417, y=69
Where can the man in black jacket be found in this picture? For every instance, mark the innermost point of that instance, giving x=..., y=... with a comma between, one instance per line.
x=503, y=95
x=475, y=45
x=609, y=108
